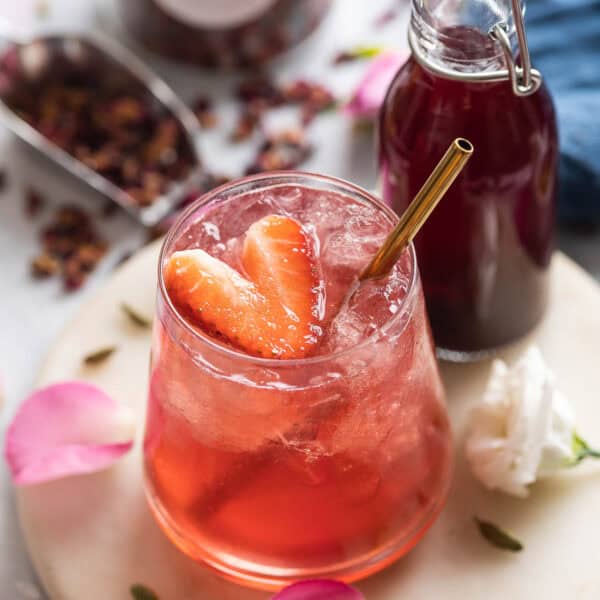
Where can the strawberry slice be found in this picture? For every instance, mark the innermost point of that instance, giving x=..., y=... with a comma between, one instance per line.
x=278, y=256
x=275, y=315
x=212, y=295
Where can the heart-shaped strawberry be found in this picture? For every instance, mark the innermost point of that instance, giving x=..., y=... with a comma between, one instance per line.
x=274, y=313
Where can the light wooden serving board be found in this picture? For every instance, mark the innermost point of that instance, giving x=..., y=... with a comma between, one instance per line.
x=91, y=537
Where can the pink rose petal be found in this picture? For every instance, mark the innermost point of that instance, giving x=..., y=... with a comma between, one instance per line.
x=66, y=429
x=370, y=93
x=319, y=589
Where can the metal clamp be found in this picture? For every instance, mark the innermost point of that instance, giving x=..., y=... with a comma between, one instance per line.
x=524, y=79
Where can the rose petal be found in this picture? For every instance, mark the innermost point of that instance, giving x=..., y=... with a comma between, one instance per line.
x=319, y=589
x=370, y=93
x=66, y=429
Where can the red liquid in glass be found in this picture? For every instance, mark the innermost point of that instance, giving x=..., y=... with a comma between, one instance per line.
x=331, y=468
x=484, y=252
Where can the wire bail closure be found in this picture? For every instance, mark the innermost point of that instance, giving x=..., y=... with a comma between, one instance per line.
x=525, y=80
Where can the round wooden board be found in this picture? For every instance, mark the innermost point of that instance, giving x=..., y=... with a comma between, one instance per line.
x=92, y=536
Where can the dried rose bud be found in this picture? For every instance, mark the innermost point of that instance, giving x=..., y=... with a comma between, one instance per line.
x=127, y=110
x=140, y=196
x=153, y=182
x=307, y=114
x=288, y=136
x=203, y=109
x=44, y=265
x=137, y=194
x=284, y=150
x=34, y=203
x=49, y=109
x=73, y=275
x=164, y=140
x=71, y=246
x=297, y=91
x=58, y=245
x=104, y=159
x=320, y=97
x=70, y=216
x=312, y=97
x=208, y=120
x=301, y=90
x=260, y=88
x=73, y=97
x=88, y=255
x=249, y=120
x=82, y=152
x=131, y=169
x=127, y=139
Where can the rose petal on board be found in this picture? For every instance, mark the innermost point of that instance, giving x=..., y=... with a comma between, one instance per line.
x=370, y=93
x=66, y=429
x=319, y=589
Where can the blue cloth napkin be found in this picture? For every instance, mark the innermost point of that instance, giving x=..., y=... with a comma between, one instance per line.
x=564, y=40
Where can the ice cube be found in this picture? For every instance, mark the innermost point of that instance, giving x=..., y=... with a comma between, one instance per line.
x=355, y=242
x=357, y=481
x=341, y=249
x=345, y=331
x=243, y=212
x=289, y=201
x=365, y=310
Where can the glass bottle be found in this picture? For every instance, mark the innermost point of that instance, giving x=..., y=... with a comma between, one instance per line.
x=485, y=251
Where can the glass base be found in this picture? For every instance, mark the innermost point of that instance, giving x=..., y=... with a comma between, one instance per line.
x=270, y=578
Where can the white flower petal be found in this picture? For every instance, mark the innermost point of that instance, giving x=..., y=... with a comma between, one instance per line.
x=522, y=429
x=558, y=449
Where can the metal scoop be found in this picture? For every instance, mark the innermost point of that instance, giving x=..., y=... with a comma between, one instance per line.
x=32, y=57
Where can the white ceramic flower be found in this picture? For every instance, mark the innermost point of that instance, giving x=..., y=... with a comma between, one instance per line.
x=523, y=428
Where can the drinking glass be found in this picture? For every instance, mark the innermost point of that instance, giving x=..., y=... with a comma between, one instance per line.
x=333, y=465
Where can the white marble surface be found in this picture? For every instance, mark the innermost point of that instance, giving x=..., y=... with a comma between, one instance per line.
x=33, y=313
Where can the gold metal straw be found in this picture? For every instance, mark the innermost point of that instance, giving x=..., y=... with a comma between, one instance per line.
x=420, y=208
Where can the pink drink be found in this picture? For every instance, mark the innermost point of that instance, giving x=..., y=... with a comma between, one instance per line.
x=331, y=465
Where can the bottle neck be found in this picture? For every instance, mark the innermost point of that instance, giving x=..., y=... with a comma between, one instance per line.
x=455, y=34
x=473, y=40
